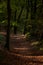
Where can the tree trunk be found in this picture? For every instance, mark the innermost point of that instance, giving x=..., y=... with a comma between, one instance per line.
x=42, y=10
x=20, y=14
x=33, y=9
x=27, y=11
x=8, y=25
x=15, y=27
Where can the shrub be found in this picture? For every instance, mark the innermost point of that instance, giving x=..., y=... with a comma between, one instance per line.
x=28, y=36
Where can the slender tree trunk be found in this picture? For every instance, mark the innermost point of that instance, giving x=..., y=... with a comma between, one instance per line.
x=8, y=25
x=19, y=16
x=35, y=8
x=42, y=9
x=31, y=10
x=27, y=11
x=41, y=36
x=15, y=27
x=20, y=13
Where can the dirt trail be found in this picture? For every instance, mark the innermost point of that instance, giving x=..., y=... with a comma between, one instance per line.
x=20, y=53
x=19, y=45
x=9, y=58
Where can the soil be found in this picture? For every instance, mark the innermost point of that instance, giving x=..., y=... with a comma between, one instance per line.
x=21, y=52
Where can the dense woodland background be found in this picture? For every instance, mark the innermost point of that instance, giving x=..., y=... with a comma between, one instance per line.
x=22, y=17
x=21, y=32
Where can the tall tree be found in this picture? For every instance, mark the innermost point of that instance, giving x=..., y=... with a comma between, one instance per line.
x=42, y=9
x=20, y=13
x=17, y=20
x=31, y=8
x=27, y=12
x=42, y=19
x=8, y=25
x=15, y=27
x=35, y=8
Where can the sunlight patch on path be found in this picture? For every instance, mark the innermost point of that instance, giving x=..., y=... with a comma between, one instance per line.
x=22, y=49
x=33, y=58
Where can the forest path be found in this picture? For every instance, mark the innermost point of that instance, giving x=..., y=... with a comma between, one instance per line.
x=20, y=53
x=19, y=45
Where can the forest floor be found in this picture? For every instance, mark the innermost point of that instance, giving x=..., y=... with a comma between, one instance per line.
x=21, y=52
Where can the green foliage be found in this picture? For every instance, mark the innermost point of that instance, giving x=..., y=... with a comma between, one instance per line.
x=34, y=26
x=38, y=45
x=14, y=23
x=28, y=36
x=35, y=43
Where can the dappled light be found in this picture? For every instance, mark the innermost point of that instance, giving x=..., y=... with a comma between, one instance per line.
x=21, y=32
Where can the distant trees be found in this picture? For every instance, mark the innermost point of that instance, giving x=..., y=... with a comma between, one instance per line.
x=27, y=15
